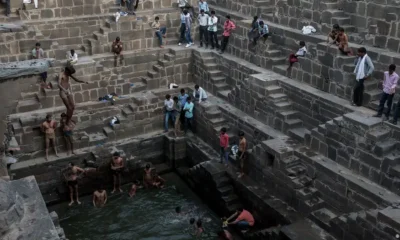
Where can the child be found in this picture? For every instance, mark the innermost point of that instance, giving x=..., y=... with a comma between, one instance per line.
x=342, y=42
x=300, y=53
x=200, y=229
x=333, y=34
x=132, y=192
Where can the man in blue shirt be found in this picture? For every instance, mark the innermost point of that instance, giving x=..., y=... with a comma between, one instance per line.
x=203, y=5
x=182, y=99
x=188, y=109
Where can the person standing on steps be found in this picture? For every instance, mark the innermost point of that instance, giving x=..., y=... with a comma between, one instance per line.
x=99, y=197
x=71, y=176
x=177, y=113
x=38, y=53
x=389, y=87
x=49, y=128
x=188, y=109
x=253, y=33
x=212, y=30
x=117, y=165
x=169, y=111
x=224, y=144
x=182, y=99
x=160, y=31
x=67, y=132
x=242, y=153
x=182, y=29
x=203, y=5
x=263, y=32
x=116, y=48
x=363, y=71
x=203, y=22
x=188, y=23
x=229, y=26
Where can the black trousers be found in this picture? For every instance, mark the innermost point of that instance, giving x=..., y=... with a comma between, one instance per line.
x=203, y=35
x=182, y=31
x=358, y=92
x=8, y=7
x=224, y=43
x=213, y=38
x=397, y=112
x=388, y=98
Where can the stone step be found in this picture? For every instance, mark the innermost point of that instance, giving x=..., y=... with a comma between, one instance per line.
x=334, y=13
x=277, y=97
x=288, y=162
x=215, y=73
x=223, y=94
x=322, y=218
x=218, y=80
x=298, y=133
x=281, y=69
x=295, y=171
x=283, y=106
x=328, y=6
x=395, y=171
x=213, y=114
x=222, y=182
x=285, y=115
x=273, y=53
x=211, y=66
x=292, y=123
x=222, y=87
x=164, y=63
x=226, y=191
x=273, y=90
x=372, y=95
x=383, y=148
x=341, y=21
x=262, y=3
x=231, y=199
x=28, y=105
x=217, y=122
x=277, y=60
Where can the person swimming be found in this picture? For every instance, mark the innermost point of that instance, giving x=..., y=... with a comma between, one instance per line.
x=132, y=192
x=147, y=179
x=193, y=226
x=199, y=228
x=158, y=181
x=99, y=197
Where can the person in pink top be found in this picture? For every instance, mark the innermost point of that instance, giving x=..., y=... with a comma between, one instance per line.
x=244, y=219
x=229, y=26
x=224, y=143
x=389, y=86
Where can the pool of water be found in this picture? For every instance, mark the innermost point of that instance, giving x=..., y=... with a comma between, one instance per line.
x=150, y=215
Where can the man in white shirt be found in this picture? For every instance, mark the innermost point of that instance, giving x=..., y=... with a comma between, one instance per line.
x=212, y=30
x=203, y=22
x=72, y=57
x=169, y=110
x=199, y=94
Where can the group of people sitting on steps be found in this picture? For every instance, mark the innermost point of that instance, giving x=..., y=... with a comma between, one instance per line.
x=72, y=173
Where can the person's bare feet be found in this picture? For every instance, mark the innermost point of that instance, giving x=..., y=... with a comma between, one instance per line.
x=70, y=204
x=113, y=191
x=120, y=190
x=79, y=203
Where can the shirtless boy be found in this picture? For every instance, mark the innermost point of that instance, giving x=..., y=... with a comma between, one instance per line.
x=67, y=132
x=117, y=165
x=132, y=192
x=71, y=176
x=99, y=197
x=48, y=127
x=242, y=154
x=66, y=92
x=147, y=178
x=342, y=42
x=158, y=181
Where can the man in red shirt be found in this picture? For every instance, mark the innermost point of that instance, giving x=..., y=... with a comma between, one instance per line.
x=229, y=26
x=224, y=143
x=244, y=219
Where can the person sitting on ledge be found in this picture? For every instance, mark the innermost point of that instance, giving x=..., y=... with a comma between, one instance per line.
x=254, y=28
x=199, y=94
x=99, y=197
x=300, y=53
x=48, y=127
x=71, y=176
x=342, y=42
x=38, y=53
x=117, y=165
x=333, y=34
x=160, y=31
x=244, y=219
x=262, y=32
x=72, y=57
x=117, y=50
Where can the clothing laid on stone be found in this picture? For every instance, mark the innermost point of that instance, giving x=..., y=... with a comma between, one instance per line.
x=307, y=30
x=200, y=94
x=389, y=86
x=182, y=3
x=364, y=69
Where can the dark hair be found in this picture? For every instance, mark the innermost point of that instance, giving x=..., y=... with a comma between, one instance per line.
x=63, y=115
x=392, y=67
x=37, y=44
x=261, y=22
x=157, y=18
x=228, y=17
x=223, y=130
x=202, y=10
x=117, y=39
x=147, y=165
x=189, y=98
x=116, y=154
x=212, y=12
x=239, y=209
x=175, y=98
x=192, y=220
x=302, y=43
x=48, y=116
x=67, y=71
x=362, y=50
x=178, y=209
x=255, y=18
x=196, y=86
x=335, y=26
x=185, y=11
x=241, y=134
x=341, y=29
x=182, y=90
x=71, y=163
x=199, y=223
x=167, y=96
x=72, y=51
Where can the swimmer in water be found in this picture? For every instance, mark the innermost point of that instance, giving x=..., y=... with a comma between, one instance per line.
x=71, y=176
x=99, y=197
x=158, y=181
x=225, y=234
x=132, y=192
x=193, y=226
x=199, y=228
x=147, y=179
x=117, y=165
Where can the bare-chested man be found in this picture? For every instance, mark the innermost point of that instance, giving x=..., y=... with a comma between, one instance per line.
x=67, y=132
x=242, y=154
x=147, y=178
x=133, y=190
x=71, y=176
x=99, y=197
x=66, y=92
x=117, y=165
x=48, y=127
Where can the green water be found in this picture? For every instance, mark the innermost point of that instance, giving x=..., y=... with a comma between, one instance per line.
x=150, y=215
